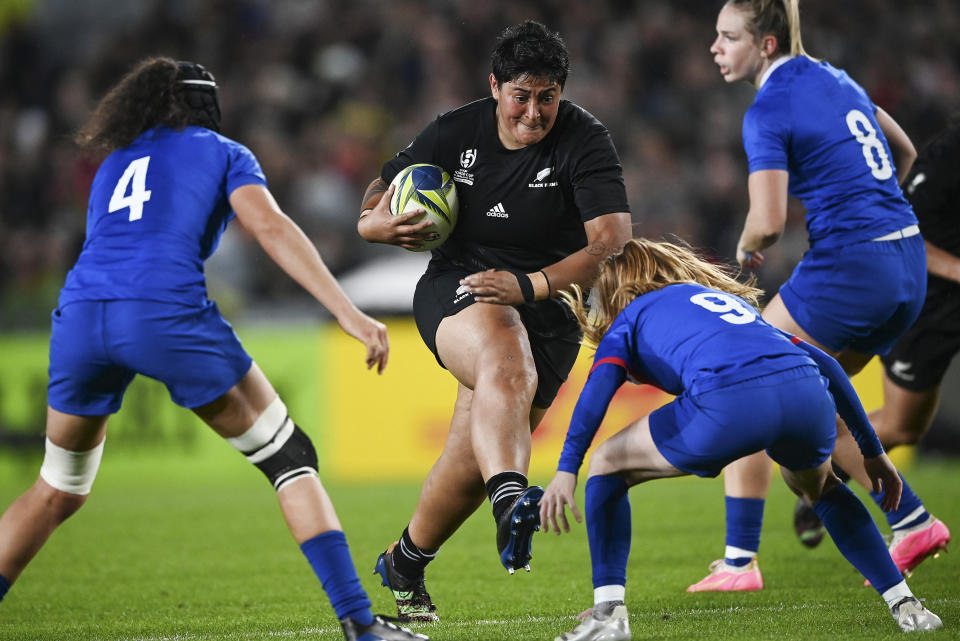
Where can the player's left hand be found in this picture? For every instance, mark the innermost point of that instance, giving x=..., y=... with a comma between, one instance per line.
x=494, y=286
x=556, y=497
x=884, y=478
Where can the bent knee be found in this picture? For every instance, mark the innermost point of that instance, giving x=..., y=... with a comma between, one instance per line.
x=909, y=434
x=603, y=461
x=278, y=447
x=512, y=378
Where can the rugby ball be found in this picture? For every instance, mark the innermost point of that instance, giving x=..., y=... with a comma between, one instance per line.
x=428, y=187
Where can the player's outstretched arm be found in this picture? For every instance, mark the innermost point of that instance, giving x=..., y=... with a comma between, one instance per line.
x=290, y=248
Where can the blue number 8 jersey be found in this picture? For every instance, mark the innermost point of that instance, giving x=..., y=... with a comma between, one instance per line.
x=157, y=210
x=815, y=122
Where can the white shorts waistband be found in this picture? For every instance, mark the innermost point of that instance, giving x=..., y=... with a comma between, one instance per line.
x=906, y=232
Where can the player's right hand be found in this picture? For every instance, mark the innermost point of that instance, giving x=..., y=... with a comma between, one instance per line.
x=372, y=333
x=381, y=226
x=556, y=497
x=749, y=260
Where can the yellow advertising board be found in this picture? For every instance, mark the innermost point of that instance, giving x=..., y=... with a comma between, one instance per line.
x=393, y=426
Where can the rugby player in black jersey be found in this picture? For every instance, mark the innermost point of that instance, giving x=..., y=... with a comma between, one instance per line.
x=542, y=202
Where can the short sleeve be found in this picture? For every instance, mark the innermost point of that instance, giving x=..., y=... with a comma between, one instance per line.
x=765, y=138
x=597, y=175
x=243, y=168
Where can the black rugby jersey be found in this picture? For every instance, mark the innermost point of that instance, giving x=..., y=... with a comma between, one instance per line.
x=933, y=188
x=522, y=208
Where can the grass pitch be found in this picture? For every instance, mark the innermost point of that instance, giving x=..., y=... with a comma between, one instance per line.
x=194, y=548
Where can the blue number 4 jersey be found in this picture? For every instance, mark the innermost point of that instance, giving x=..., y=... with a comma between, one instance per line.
x=157, y=210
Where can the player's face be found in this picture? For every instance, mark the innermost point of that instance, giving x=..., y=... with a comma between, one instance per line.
x=735, y=51
x=526, y=109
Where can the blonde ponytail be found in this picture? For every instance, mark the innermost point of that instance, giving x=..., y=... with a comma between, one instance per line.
x=792, y=8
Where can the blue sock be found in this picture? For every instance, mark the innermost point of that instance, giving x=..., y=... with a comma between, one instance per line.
x=4, y=586
x=857, y=537
x=744, y=522
x=329, y=557
x=909, y=503
x=607, y=509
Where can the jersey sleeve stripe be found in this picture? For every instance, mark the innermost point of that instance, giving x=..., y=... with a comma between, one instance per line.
x=613, y=360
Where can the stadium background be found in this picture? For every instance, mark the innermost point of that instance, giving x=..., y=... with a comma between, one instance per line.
x=323, y=93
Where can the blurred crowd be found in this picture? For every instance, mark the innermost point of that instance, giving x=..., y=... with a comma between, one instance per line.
x=324, y=91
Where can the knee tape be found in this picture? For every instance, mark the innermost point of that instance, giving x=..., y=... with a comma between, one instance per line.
x=68, y=471
x=280, y=449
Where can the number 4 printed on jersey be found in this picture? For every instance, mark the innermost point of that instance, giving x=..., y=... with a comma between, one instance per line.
x=135, y=176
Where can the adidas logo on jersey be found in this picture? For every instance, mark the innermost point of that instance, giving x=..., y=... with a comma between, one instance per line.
x=497, y=211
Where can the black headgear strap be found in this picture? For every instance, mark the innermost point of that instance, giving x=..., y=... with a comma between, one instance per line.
x=199, y=90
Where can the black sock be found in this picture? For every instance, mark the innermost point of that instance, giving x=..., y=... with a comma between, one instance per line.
x=410, y=560
x=503, y=489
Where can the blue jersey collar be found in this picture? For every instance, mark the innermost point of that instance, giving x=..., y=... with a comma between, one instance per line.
x=776, y=64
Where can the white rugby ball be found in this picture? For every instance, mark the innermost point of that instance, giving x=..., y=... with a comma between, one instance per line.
x=428, y=187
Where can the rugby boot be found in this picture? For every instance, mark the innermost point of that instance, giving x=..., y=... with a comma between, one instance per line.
x=729, y=578
x=516, y=527
x=807, y=525
x=911, y=616
x=607, y=622
x=381, y=629
x=413, y=600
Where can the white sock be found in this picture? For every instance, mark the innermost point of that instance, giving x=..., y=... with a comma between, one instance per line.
x=731, y=552
x=609, y=593
x=913, y=516
x=896, y=593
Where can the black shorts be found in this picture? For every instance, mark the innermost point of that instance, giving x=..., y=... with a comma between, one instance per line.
x=553, y=331
x=921, y=356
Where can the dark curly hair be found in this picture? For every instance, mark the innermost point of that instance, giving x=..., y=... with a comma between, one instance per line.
x=530, y=49
x=145, y=97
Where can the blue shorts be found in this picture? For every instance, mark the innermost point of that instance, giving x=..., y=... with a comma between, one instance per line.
x=789, y=414
x=97, y=347
x=862, y=296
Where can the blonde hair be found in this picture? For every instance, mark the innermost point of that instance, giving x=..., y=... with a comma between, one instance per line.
x=643, y=266
x=778, y=18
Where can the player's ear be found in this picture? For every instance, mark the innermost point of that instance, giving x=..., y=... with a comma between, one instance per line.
x=768, y=45
x=494, y=88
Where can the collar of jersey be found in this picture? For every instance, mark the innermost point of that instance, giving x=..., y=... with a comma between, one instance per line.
x=776, y=64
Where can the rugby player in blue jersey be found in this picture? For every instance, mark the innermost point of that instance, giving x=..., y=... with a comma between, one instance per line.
x=662, y=316
x=814, y=133
x=135, y=302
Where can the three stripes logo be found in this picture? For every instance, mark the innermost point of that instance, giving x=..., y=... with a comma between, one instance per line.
x=497, y=211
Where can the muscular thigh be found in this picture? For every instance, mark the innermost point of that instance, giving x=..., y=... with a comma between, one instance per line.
x=483, y=337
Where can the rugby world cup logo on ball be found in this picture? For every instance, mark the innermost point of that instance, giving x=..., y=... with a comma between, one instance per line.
x=428, y=187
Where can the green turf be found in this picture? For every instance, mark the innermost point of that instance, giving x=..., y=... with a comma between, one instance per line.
x=183, y=548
